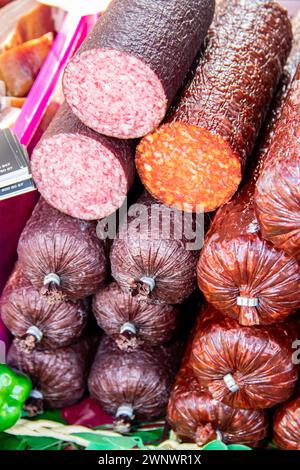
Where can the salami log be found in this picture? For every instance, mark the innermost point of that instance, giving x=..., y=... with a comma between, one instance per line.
x=134, y=384
x=277, y=196
x=155, y=265
x=62, y=257
x=59, y=376
x=194, y=414
x=196, y=159
x=80, y=172
x=287, y=426
x=244, y=367
x=239, y=272
x=131, y=323
x=36, y=322
x=137, y=57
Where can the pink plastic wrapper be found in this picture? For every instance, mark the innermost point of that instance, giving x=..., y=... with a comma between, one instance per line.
x=15, y=212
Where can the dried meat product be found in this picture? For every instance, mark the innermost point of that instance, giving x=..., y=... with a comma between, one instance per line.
x=134, y=384
x=194, y=414
x=243, y=275
x=277, y=195
x=80, y=172
x=32, y=25
x=195, y=161
x=62, y=257
x=36, y=322
x=137, y=57
x=155, y=264
x=244, y=367
x=59, y=376
x=286, y=426
x=19, y=66
x=239, y=272
x=131, y=323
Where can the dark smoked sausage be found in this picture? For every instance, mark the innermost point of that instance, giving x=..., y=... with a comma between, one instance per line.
x=128, y=70
x=36, y=322
x=61, y=256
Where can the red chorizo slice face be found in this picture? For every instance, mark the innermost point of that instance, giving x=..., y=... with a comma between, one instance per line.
x=188, y=168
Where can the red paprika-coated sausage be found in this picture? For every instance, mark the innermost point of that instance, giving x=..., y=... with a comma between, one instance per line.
x=244, y=367
x=195, y=161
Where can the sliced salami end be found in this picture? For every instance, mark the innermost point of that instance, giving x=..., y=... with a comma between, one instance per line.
x=130, y=98
x=79, y=172
x=188, y=167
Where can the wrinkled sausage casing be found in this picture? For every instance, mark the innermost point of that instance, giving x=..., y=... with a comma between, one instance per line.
x=79, y=172
x=244, y=367
x=132, y=323
x=36, y=322
x=240, y=273
x=277, y=194
x=137, y=57
x=194, y=414
x=286, y=426
x=243, y=275
x=61, y=256
x=154, y=264
x=133, y=384
x=60, y=375
x=195, y=161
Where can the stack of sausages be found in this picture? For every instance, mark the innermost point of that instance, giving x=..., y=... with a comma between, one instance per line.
x=249, y=272
x=213, y=100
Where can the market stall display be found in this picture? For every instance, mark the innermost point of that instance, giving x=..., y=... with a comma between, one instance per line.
x=171, y=371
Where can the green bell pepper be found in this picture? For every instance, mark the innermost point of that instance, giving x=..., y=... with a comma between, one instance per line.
x=14, y=391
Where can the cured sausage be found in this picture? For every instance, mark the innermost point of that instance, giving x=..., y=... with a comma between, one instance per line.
x=80, y=172
x=36, y=322
x=244, y=367
x=134, y=384
x=195, y=161
x=242, y=274
x=156, y=265
x=194, y=414
x=132, y=323
x=287, y=426
x=59, y=375
x=62, y=257
x=277, y=195
x=239, y=272
x=137, y=57
x=19, y=66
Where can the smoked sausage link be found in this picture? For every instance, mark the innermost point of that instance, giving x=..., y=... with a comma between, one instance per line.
x=194, y=414
x=132, y=323
x=244, y=367
x=130, y=67
x=287, y=426
x=195, y=161
x=277, y=195
x=62, y=257
x=36, y=322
